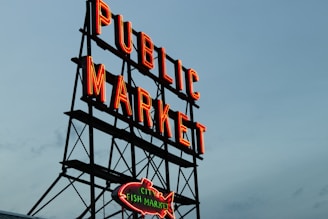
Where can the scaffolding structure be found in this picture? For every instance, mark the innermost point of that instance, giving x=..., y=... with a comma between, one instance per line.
x=105, y=148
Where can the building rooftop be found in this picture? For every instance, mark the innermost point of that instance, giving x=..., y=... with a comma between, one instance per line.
x=9, y=215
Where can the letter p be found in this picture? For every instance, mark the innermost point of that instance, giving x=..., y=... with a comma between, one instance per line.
x=102, y=16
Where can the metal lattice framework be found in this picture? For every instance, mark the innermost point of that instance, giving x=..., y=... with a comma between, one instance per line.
x=105, y=148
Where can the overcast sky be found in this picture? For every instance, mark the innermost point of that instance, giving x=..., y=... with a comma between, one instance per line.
x=263, y=82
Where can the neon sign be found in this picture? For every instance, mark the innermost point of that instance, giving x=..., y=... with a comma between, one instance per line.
x=95, y=82
x=142, y=197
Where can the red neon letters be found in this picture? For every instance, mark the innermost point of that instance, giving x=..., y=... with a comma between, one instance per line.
x=191, y=77
x=162, y=119
x=178, y=74
x=162, y=67
x=200, y=129
x=181, y=129
x=123, y=35
x=145, y=53
x=146, y=49
x=103, y=16
x=147, y=111
x=95, y=82
x=120, y=95
x=144, y=107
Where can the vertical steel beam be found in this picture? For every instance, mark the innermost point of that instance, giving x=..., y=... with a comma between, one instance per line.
x=90, y=11
x=193, y=140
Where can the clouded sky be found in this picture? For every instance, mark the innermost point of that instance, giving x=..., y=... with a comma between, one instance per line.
x=263, y=82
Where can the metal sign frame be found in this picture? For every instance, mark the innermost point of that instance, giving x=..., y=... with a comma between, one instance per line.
x=133, y=151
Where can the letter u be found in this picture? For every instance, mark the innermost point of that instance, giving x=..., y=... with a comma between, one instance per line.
x=123, y=35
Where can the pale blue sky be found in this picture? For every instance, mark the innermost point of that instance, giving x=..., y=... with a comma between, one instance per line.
x=263, y=82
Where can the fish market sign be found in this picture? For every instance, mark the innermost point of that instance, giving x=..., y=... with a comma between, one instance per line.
x=143, y=198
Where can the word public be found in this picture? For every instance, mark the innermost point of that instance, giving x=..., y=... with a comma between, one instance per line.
x=95, y=81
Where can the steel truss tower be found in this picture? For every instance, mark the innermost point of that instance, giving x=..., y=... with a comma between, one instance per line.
x=104, y=148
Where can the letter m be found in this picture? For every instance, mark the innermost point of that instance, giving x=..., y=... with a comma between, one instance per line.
x=94, y=82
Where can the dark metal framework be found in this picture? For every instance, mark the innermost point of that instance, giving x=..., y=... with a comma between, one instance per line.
x=104, y=148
